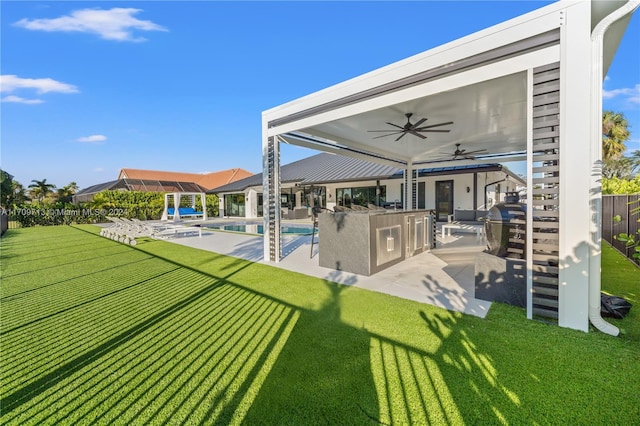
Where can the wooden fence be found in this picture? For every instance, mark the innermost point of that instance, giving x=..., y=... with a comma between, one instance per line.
x=620, y=205
x=4, y=223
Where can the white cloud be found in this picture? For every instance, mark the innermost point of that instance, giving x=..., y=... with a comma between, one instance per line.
x=98, y=169
x=92, y=139
x=19, y=100
x=113, y=24
x=10, y=83
x=632, y=94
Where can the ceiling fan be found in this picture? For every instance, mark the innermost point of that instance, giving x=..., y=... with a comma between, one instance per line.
x=463, y=153
x=415, y=129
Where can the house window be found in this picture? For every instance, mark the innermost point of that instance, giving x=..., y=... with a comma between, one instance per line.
x=360, y=195
x=315, y=196
x=288, y=200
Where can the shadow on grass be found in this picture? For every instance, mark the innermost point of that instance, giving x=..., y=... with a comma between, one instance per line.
x=228, y=353
x=208, y=348
x=323, y=374
x=25, y=394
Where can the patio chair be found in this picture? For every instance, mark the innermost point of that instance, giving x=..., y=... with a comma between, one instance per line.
x=339, y=209
x=358, y=207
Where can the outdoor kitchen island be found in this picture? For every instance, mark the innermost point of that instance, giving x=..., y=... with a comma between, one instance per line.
x=366, y=242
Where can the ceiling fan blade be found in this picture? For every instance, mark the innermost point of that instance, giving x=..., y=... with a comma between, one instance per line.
x=417, y=134
x=432, y=131
x=395, y=125
x=388, y=130
x=401, y=136
x=417, y=123
x=388, y=134
x=477, y=151
x=434, y=125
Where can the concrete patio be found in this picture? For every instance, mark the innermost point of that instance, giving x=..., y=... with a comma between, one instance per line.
x=443, y=277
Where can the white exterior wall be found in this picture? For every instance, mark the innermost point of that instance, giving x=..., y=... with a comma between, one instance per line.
x=575, y=167
x=251, y=203
x=221, y=205
x=462, y=199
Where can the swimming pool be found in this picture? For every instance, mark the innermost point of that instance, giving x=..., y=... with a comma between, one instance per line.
x=254, y=228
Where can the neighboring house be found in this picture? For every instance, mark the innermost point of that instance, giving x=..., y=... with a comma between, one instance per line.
x=206, y=180
x=144, y=185
x=334, y=180
x=161, y=181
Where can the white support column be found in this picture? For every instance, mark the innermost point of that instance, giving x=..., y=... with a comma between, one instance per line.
x=176, y=206
x=575, y=170
x=165, y=212
x=409, y=190
x=203, y=199
x=271, y=187
x=529, y=230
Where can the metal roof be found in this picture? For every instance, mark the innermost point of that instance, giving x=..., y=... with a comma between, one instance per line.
x=320, y=168
x=144, y=185
x=326, y=168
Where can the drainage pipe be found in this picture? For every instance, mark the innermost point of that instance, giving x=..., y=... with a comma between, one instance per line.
x=597, y=40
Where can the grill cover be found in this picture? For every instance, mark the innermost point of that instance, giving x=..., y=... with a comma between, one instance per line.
x=505, y=227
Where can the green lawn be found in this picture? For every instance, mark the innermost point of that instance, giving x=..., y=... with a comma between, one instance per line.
x=94, y=331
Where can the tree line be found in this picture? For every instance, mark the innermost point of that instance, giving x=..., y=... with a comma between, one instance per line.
x=44, y=204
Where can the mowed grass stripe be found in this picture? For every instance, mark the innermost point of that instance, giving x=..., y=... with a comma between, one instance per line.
x=93, y=324
x=137, y=363
x=82, y=290
x=19, y=286
x=95, y=387
x=27, y=278
x=78, y=330
x=20, y=397
x=224, y=341
x=24, y=243
x=53, y=257
x=180, y=367
x=51, y=268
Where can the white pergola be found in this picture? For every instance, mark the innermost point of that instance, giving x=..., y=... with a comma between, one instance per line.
x=176, y=197
x=527, y=89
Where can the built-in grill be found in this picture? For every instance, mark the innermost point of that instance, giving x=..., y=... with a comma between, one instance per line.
x=505, y=226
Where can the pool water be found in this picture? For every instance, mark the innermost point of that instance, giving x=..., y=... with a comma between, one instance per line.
x=259, y=229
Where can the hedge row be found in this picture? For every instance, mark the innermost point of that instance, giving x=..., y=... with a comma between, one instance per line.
x=127, y=204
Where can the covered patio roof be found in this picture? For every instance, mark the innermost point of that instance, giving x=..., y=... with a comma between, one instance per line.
x=527, y=89
x=479, y=83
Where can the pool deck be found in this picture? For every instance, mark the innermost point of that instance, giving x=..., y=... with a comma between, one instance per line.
x=443, y=277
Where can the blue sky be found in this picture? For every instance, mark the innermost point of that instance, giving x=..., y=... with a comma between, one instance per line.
x=91, y=87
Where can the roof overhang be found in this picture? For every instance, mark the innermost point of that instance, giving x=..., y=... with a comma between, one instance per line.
x=478, y=82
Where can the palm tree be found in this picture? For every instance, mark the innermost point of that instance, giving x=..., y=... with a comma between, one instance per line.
x=615, y=133
x=635, y=161
x=19, y=195
x=621, y=168
x=66, y=193
x=41, y=188
x=6, y=181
